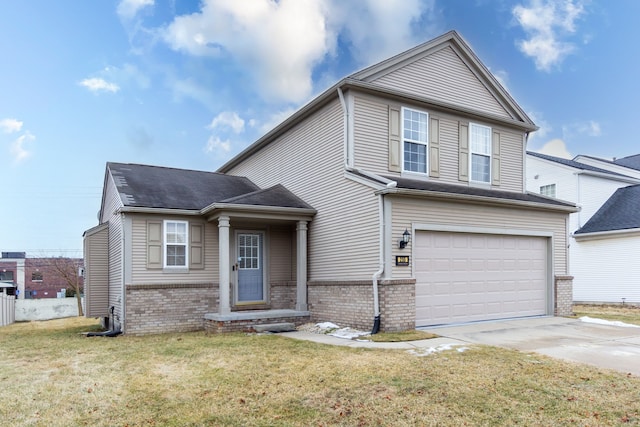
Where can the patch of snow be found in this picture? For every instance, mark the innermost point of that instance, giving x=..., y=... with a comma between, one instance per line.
x=588, y=319
x=327, y=325
x=442, y=347
x=348, y=333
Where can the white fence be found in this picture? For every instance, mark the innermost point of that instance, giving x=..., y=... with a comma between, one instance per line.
x=7, y=309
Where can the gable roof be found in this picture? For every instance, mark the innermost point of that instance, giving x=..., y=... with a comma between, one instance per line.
x=632, y=162
x=620, y=212
x=365, y=80
x=452, y=51
x=157, y=187
x=162, y=187
x=574, y=164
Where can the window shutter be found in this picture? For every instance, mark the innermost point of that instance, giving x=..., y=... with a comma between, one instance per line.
x=196, y=245
x=394, y=139
x=434, y=148
x=463, y=152
x=154, y=244
x=495, y=158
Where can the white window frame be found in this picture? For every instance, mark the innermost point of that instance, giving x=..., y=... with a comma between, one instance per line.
x=424, y=142
x=545, y=190
x=473, y=150
x=166, y=243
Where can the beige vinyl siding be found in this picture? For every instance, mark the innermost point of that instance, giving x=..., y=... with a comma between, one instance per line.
x=143, y=275
x=371, y=151
x=112, y=204
x=409, y=211
x=96, y=280
x=511, y=160
x=371, y=134
x=309, y=161
x=443, y=76
x=282, y=256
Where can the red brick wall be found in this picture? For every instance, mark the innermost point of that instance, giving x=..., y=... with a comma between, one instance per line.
x=52, y=282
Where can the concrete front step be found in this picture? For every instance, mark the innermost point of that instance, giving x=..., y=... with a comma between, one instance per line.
x=275, y=327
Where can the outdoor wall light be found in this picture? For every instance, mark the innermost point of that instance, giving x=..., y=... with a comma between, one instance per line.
x=406, y=237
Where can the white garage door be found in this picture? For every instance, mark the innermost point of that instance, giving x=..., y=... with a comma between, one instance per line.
x=466, y=277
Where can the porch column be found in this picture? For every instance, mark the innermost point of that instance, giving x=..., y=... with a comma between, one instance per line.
x=223, y=265
x=301, y=258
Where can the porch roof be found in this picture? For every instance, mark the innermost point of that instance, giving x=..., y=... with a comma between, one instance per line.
x=145, y=188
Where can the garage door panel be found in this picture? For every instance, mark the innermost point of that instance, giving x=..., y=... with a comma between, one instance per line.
x=464, y=277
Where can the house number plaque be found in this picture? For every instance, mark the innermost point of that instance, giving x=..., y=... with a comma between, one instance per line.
x=402, y=260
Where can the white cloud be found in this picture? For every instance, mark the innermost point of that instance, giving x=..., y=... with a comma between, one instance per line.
x=227, y=119
x=18, y=147
x=127, y=73
x=10, y=125
x=96, y=84
x=589, y=128
x=557, y=148
x=281, y=42
x=274, y=120
x=189, y=88
x=215, y=144
x=129, y=8
x=544, y=127
x=383, y=28
x=546, y=23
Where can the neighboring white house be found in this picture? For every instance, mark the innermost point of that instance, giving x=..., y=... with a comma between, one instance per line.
x=605, y=235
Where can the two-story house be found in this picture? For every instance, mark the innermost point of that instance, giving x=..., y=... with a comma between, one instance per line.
x=395, y=199
x=604, y=234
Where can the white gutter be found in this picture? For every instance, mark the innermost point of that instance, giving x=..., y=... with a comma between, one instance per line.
x=123, y=298
x=606, y=234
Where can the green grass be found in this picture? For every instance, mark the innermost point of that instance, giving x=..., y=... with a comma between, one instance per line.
x=400, y=336
x=53, y=376
x=627, y=313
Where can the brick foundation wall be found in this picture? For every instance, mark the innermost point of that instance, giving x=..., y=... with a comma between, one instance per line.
x=563, y=290
x=350, y=303
x=247, y=325
x=283, y=295
x=397, y=305
x=162, y=308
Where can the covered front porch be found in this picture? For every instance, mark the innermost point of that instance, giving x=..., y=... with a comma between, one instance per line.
x=262, y=270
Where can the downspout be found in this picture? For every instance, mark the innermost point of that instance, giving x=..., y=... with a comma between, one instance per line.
x=123, y=303
x=377, y=274
x=348, y=162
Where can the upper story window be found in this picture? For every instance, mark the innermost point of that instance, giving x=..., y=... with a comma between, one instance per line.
x=480, y=152
x=175, y=243
x=548, y=190
x=6, y=276
x=414, y=140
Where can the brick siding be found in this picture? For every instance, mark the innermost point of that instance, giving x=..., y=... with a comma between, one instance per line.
x=154, y=309
x=563, y=290
x=350, y=303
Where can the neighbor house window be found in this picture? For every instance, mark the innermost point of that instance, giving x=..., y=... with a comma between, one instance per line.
x=548, y=190
x=480, y=152
x=36, y=276
x=414, y=137
x=6, y=276
x=175, y=243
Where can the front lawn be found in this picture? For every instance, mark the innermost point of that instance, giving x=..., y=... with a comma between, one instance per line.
x=53, y=376
x=616, y=312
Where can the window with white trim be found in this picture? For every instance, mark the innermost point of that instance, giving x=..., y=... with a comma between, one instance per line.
x=480, y=152
x=548, y=190
x=414, y=140
x=176, y=237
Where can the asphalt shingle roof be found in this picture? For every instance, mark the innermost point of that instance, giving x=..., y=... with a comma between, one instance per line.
x=415, y=184
x=620, y=212
x=572, y=163
x=632, y=162
x=170, y=188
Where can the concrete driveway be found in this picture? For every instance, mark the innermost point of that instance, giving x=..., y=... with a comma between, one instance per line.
x=604, y=346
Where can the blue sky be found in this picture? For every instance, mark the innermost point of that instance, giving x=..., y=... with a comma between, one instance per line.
x=189, y=84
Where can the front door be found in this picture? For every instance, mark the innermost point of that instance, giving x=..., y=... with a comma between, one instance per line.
x=250, y=267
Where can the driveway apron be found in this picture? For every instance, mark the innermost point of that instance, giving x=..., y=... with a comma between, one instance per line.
x=603, y=346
